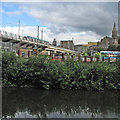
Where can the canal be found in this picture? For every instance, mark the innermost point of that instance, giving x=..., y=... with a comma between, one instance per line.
x=37, y=103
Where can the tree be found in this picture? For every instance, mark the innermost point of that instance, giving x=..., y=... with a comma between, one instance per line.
x=85, y=54
x=118, y=40
x=112, y=48
x=97, y=55
x=100, y=49
x=118, y=47
x=89, y=52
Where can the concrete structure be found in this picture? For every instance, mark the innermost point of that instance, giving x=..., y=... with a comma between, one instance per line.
x=68, y=44
x=8, y=46
x=107, y=41
x=30, y=45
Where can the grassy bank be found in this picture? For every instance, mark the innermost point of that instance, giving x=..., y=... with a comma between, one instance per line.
x=44, y=73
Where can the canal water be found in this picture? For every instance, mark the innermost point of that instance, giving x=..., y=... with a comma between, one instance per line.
x=37, y=103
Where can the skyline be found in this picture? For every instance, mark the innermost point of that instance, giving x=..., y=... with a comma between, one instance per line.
x=85, y=22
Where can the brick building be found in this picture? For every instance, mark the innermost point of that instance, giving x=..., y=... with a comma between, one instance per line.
x=67, y=44
x=106, y=41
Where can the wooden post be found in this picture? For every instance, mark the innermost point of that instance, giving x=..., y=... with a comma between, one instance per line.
x=116, y=60
x=51, y=54
x=63, y=56
x=85, y=58
x=73, y=57
x=37, y=53
x=79, y=57
x=102, y=59
x=97, y=59
x=91, y=59
x=20, y=53
x=29, y=53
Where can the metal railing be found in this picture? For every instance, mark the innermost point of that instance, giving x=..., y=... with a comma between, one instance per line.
x=31, y=40
x=16, y=37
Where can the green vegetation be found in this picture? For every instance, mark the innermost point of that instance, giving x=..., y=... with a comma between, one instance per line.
x=99, y=49
x=44, y=73
x=97, y=55
x=85, y=54
x=119, y=40
x=88, y=52
x=118, y=47
x=112, y=48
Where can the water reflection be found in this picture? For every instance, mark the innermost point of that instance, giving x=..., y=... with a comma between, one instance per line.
x=38, y=103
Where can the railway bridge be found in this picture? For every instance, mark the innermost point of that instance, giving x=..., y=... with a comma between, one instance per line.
x=28, y=44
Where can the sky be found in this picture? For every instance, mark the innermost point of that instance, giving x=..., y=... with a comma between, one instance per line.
x=81, y=21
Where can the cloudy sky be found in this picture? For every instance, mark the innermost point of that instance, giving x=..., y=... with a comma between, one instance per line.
x=82, y=21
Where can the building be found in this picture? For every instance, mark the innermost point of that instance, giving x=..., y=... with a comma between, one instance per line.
x=93, y=47
x=82, y=48
x=54, y=43
x=107, y=41
x=67, y=44
x=92, y=44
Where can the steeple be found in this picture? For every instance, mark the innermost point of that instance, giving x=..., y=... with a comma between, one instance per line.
x=114, y=25
x=114, y=32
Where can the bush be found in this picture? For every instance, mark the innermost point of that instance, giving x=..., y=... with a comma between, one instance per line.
x=45, y=73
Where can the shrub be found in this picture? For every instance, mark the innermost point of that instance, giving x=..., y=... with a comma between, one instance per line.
x=45, y=73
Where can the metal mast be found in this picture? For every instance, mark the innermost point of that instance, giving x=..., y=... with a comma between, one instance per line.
x=38, y=32
x=42, y=34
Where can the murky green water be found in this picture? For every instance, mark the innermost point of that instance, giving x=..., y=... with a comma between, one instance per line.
x=36, y=103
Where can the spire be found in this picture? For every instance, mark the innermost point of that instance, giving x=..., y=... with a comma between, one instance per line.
x=114, y=32
x=114, y=25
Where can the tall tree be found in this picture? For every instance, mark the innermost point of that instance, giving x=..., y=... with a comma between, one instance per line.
x=100, y=49
x=118, y=47
x=118, y=40
x=112, y=48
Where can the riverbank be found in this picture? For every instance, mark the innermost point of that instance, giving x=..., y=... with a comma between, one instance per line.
x=42, y=72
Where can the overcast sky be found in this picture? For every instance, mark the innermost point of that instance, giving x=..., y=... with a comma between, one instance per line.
x=82, y=21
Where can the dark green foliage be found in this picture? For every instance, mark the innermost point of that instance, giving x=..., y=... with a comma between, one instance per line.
x=112, y=48
x=119, y=40
x=118, y=47
x=44, y=73
x=100, y=49
x=13, y=70
x=89, y=52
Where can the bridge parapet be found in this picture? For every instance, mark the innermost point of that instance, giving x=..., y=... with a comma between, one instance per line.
x=9, y=35
x=32, y=41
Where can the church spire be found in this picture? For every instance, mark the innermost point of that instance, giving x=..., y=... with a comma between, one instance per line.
x=114, y=32
x=114, y=25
